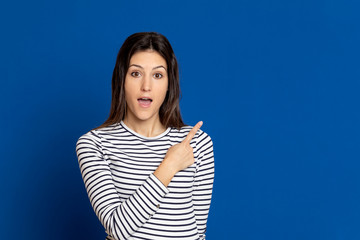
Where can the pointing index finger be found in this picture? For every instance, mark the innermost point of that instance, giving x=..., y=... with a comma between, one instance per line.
x=193, y=131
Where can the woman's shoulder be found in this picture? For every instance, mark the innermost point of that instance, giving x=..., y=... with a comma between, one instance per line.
x=184, y=131
x=97, y=133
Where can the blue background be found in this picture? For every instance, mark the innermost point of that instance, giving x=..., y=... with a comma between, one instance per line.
x=276, y=83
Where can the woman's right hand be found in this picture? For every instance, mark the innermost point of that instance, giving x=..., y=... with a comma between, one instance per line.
x=177, y=158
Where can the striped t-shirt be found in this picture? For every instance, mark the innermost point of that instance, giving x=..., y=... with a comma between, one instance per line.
x=117, y=166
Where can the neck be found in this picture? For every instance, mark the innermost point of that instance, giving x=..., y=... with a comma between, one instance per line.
x=147, y=128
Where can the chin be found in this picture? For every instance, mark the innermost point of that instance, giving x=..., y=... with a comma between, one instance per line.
x=144, y=117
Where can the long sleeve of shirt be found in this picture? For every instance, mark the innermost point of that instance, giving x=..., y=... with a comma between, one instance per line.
x=117, y=166
x=120, y=219
x=203, y=183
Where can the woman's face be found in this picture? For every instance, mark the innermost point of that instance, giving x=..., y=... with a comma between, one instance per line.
x=146, y=84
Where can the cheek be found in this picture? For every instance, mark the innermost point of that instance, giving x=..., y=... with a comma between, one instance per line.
x=163, y=90
x=128, y=90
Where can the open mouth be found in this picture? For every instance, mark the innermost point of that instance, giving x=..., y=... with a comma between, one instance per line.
x=145, y=102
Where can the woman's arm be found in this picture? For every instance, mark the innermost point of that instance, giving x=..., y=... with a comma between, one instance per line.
x=203, y=183
x=120, y=219
x=178, y=157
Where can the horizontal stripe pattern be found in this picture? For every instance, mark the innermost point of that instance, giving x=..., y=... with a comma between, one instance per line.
x=117, y=166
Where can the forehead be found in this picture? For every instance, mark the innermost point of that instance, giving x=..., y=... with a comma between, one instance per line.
x=147, y=58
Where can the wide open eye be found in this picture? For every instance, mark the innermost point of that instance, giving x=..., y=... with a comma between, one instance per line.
x=135, y=74
x=158, y=75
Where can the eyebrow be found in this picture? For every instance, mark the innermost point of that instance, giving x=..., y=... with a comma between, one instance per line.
x=135, y=65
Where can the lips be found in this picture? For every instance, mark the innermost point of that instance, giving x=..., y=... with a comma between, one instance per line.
x=145, y=102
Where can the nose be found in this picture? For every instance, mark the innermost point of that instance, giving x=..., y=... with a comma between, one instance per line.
x=146, y=84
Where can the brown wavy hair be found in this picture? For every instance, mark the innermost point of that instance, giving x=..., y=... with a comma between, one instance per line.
x=169, y=111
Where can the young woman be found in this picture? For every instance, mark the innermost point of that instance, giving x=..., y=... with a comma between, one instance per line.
x=147, y=174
